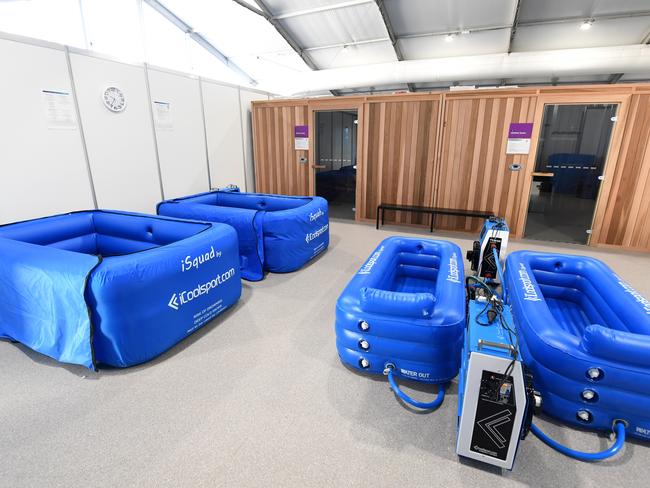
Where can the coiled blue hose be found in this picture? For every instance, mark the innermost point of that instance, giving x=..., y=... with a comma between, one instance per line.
x=584, y=456
x=424, y=405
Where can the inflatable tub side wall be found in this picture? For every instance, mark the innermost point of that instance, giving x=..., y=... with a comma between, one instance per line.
x=42, y=292
x=159, y=280
x=295, y=236
x=277, y=233
x=400, y=329
x=560, y=360
x=142, y=304
x=247, y=223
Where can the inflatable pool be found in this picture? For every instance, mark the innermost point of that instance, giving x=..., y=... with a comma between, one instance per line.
x=405, y=309
x=113, y=288
x=276, y=233
x=585, y=335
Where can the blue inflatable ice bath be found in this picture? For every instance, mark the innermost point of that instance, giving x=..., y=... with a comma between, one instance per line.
x=585, y=335
x=405, y=307
x=113, y=288
x=277, y=233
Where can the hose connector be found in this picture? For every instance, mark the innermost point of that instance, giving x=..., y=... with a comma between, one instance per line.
x=388, y=367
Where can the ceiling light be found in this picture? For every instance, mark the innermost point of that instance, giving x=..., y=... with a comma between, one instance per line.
x=450, y=37
x=586, y=25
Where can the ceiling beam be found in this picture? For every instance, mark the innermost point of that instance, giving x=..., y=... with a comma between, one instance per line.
x=457, y=31
x=391, y=35
x=554, y=82
x=353, y=91
x=323, y=8
x=596, y=18
x=198, y=38
x=568, y=20
x=615, y=78
x=646, y=39
x=347, y=44
x=266, y=13
x=304, y=55
x=515, y=24
x=248, y=6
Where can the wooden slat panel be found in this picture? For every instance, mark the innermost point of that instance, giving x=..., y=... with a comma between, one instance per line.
x=401, y=150
x=277, y=169
x=627, y=219
x=474, y=165
x=407, y=155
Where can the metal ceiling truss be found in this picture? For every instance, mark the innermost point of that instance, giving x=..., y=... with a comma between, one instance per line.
x=391, y=34
x=615, y=78
x=323, y=8
x=248, y=6
x=553, y=82
x=515, y=24
x=198, y=38
x=266, y=13
x=347, y=44
x=518, y=24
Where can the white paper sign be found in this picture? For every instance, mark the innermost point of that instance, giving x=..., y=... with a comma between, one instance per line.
x=301, y=137
x=162, y=114
x=59, y=109
x=518, y=146
x=302, y=143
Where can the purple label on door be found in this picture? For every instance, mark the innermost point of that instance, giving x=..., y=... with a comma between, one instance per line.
x=301, y=131
x=520, y=130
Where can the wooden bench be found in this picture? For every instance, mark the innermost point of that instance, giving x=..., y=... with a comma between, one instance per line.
x=432, y=211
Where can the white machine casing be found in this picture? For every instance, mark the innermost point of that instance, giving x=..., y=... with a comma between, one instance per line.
x=494, y=410
x=494, y=234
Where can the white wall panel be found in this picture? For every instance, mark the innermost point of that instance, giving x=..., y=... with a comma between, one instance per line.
x=42, y=170
x=246, y=97
x=224, y=134
x=181, y=139
x=121, y=146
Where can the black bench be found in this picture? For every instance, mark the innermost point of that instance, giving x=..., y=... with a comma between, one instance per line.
x=382, y=207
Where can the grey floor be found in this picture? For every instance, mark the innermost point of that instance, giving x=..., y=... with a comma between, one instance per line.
x=258, y=397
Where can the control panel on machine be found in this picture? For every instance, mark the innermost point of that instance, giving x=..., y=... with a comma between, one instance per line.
x=496, y=411
x=496, y=398
x=494, y=235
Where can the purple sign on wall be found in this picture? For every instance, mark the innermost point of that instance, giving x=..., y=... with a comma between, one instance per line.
x=520, y=130
x=519, y=135
x=301, y=131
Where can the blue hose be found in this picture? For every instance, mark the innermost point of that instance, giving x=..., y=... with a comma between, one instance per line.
x=424, y=405
x=584, y=456
x=497, y=263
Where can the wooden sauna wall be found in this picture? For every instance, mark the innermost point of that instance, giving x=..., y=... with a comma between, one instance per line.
x=399, y=163
x=627, y=217
x=409, y=156
x=277, y=166
x=474, y=171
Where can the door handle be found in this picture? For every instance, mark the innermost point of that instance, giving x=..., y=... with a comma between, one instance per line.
x=318, y=166
x=537, y=173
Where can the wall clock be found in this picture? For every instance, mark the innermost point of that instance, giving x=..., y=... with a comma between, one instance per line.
x=114, y=99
